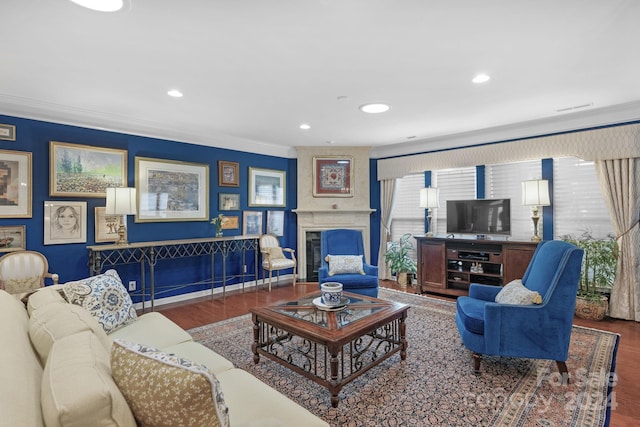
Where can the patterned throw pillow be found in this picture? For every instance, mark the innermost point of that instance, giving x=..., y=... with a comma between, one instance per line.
x=344, y=264
x=515, y=293
x=105, y=297
x=164, y=390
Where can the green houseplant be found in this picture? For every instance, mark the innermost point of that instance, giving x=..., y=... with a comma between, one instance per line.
x=398, y=259
x=598, y=272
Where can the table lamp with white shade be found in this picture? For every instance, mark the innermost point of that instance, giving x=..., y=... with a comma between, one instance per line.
x=429, y=199
x=535, y=193
x=121, y=202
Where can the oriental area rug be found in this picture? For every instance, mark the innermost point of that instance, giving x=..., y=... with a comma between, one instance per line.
x=436, y=384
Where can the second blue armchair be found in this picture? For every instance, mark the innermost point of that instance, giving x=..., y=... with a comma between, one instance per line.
x=344, y=242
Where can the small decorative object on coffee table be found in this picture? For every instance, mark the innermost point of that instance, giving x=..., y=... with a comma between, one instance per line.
x=334, y=345
x=332, y=294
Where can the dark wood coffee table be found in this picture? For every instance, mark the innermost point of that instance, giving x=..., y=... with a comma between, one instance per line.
x=330, y=347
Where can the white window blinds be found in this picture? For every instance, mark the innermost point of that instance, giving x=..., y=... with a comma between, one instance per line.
x=504, y=181
x=454, y=184
x=578, y=205
x=408, y=216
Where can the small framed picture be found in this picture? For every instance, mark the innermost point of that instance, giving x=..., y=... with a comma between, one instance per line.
x=7, y=132
x=275, y=223
x=267, y=187
x=231, y=222
x=228, y=202
x=12, y=238
x=228, y=174
x=251, y=223
x=332, y=176
x=65, y=222
x=107, y=225
x=15, y=188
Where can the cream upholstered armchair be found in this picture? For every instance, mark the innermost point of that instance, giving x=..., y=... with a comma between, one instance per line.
x=274, y=259
x=24, y=271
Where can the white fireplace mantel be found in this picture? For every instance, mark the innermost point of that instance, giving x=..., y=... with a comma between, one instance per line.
x=325, y=219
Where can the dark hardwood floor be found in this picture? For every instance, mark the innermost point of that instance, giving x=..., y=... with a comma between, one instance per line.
x=206, y=310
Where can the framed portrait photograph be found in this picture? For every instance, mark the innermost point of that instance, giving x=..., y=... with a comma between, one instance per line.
x=65, y=222
x=170, y=190
x=228, y=202
x=332, y=176
x=267, y=187
x=15, y=177
x=7, y=132
x=13, y=238
x=106, y=226
x=228, y=174
x=84, y=171
x=231, y=222
x=275, y=223
x=251, y=223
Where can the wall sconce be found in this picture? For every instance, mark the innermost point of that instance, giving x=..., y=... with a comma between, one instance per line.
x=535, y=193
x=122, y=202
x=429, y=200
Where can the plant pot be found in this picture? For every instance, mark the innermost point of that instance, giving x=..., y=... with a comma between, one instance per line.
x=402, y=279
x=591, y=309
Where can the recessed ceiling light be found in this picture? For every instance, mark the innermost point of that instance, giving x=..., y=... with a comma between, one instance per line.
x=305, y=126
x=375, y=108
x=175, y=93
x=101, y=5
x=481, y=78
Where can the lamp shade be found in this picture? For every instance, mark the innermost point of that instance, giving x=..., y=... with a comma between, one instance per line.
x=535, y=192
x=429, y=198
x=121, y=201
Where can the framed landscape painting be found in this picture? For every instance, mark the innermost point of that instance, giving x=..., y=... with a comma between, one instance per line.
x=84, y=171
x=170, y=190
x=332, y=177
x=15, y=184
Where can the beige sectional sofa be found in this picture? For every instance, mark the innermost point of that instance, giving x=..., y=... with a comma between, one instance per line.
x=56, y=370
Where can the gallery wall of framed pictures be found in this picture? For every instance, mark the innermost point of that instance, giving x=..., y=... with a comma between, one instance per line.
x=56, y=175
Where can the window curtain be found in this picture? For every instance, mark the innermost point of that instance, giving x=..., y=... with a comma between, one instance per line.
x=387, y=202
x=620, y=183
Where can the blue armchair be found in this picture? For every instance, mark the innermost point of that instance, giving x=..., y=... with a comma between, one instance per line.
x=536, y=331
x=347, y=242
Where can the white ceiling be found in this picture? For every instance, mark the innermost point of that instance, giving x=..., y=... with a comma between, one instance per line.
x=253, y=70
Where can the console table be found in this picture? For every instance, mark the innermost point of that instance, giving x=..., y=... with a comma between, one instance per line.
x=449, y=266
x=147, y=254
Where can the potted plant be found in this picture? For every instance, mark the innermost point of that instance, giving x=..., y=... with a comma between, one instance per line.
x=217, y=221
x=398, y=259
x=598, y=272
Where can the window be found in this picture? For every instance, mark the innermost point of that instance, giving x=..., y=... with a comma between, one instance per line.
x=454, y=184
x=578, y=205
x=504, y=181
x=408, y=216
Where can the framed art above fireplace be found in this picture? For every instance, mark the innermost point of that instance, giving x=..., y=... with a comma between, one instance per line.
x=332, y=176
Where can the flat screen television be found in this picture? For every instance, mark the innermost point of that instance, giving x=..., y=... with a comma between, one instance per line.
x=480, y=216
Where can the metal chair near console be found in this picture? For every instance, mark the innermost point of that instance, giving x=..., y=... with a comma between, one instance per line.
x=343, y=260
x=24, y=271
x=274, y=259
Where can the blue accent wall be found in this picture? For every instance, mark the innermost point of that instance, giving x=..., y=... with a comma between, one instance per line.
x=70, y=261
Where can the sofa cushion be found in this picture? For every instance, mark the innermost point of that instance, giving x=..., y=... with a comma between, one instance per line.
x=105, y=297
x=164, y=390
x=515, y=292
x=77, y=387
x=52, y=322
x=20, y=370
x=251, y=401
x=198, y=353
x=44, y=296
x=152, y=329
x=344, y=264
